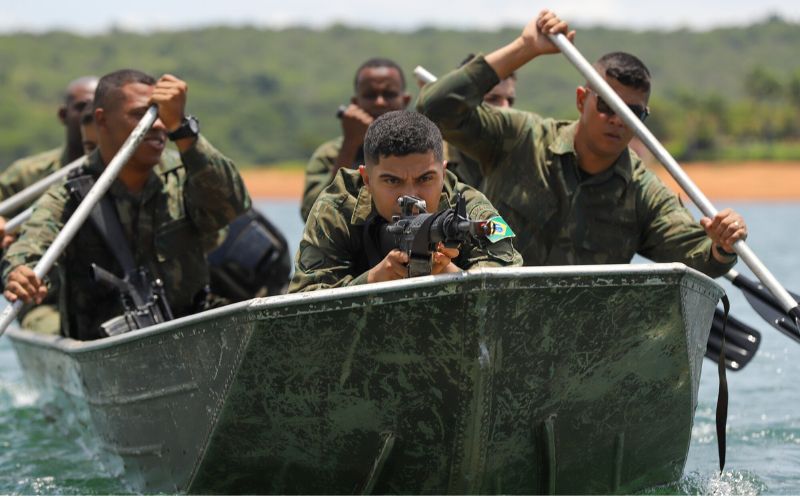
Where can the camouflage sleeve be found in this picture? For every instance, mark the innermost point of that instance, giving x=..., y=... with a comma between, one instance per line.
x=214, y=192
x=18, y=176
x=318, y=176
x=325, y=258
x=38, y=232
x=454, y=103
x=670, y=233
x=498, y=254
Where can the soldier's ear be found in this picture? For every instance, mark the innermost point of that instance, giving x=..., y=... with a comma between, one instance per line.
x=406, y=99
x=364, y=174
x=100, y=117
x=62, y=114
x=444, y=165
x=580, y=98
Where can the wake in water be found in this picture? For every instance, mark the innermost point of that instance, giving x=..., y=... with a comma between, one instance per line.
x=731, y=483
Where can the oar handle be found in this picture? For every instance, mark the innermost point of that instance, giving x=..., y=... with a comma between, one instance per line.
x=81, y=213
x=18, y=220
x=424, y=75
x=30, y=193
x=605, y=91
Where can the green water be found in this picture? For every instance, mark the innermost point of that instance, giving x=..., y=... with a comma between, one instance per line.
x=40, y=455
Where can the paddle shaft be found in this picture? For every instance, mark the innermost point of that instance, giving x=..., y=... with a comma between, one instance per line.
x=84, y=209
x=605, y=91
x=424, y=75
x=30, y=193
x=18, y=220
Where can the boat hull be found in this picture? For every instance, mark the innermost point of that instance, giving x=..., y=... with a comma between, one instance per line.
x=577, y=380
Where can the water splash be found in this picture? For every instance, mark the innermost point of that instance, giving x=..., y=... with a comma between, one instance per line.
x=738, y=483
x=17, y=395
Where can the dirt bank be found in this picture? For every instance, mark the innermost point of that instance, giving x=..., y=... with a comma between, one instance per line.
x=748, y=181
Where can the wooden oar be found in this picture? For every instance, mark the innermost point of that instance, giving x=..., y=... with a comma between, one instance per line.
x=742, y=340
x=787, y=303
x=84, y=208
x=32, y=192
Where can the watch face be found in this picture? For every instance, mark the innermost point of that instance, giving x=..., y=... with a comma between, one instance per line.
x=194, y=125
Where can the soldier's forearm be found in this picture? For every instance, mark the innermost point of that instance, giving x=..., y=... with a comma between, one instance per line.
x=454, y=98
x=510, y=58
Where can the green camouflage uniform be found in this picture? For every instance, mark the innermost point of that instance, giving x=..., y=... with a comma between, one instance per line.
x=562, y=216
x=466, y=169
x=318, y=172
x=19, y=175
x=331, y=253
x=24, y=172
x=169, y=227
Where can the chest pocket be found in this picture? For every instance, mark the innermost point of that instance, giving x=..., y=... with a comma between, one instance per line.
x=529, y=213
x=610, y=238
x=175, y=238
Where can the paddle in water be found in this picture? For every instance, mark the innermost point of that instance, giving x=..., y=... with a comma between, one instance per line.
x=81, y=213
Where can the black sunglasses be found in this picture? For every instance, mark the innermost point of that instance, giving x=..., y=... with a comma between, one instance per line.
x=641, y=112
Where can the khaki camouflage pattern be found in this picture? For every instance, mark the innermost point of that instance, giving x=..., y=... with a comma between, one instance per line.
x=318, y=172
x=169, y=227
x=25, y=171
x=331, y=253
x=43, y=318
x=532, y=177
x=18, y=176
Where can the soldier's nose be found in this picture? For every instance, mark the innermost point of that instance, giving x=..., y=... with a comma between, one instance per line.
x=158, y=124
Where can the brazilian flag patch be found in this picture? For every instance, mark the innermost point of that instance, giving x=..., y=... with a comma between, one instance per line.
x=501, y=230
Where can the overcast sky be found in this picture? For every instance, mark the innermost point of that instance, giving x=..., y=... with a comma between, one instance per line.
x=97, y=16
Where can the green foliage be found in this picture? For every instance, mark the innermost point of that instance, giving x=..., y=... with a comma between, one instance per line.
x=267, y=96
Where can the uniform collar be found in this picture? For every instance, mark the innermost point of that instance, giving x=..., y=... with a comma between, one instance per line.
x=95, y=166
x=564, y=144
x=364, y=210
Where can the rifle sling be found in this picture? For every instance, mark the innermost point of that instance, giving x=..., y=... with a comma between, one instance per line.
x=106, y=221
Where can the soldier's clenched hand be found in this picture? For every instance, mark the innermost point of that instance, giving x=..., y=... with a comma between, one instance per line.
x=534, y=35
x=22, y=284
x=442, y=260
x=5, y=239
x=169, y=95
x=725, y=229
x=355, y=122
x=392, y=267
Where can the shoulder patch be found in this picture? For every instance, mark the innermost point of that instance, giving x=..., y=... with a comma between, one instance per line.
x=501, y=230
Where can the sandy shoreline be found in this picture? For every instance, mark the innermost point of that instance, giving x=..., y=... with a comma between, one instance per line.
x=747, y=181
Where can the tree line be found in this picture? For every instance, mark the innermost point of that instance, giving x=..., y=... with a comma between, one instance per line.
x=270, y=95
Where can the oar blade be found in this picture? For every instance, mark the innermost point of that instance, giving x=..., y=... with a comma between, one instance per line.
x=741, y=341
x=768, y=307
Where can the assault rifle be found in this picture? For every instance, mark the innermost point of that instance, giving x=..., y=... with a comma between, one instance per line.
x=143, y=300
x=418, y=232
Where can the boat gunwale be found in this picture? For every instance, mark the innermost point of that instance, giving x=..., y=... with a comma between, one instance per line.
x=73, y=346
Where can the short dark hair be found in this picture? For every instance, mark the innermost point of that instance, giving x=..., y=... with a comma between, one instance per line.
x=379, y=62
x=401, y=133
x=627, y=69
x=110, y=84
